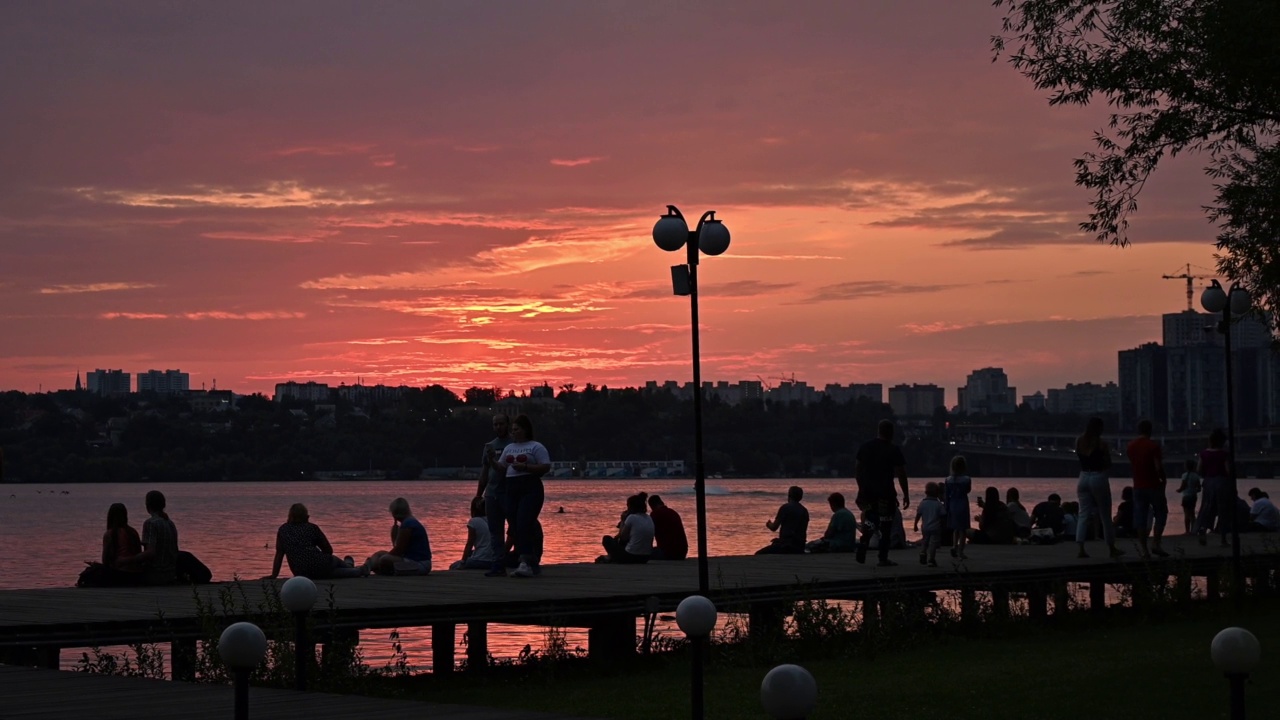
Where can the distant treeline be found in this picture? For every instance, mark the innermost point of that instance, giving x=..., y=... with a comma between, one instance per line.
x=73, y=436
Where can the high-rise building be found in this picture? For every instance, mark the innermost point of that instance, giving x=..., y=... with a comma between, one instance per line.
x=165, y=382
x=1084, y=399
x=844, y=394
x=1144, y=386
x=109, y=382
x=1189, y=328
x=916, y=400
x=309, y=391
x=987, y=392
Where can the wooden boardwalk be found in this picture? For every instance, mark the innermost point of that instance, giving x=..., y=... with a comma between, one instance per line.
x=587, y=595
x=29, y=694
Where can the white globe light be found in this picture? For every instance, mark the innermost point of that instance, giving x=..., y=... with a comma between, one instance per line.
x=1213, y=298
x=298, y=594
x=671, y=232
x=1240, y=301
x=1235, y=651
x=789, y=692
x=696, y=616
x=713, y=239
x=242, y=646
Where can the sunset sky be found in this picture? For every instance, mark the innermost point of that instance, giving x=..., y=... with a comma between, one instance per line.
x=463, y=194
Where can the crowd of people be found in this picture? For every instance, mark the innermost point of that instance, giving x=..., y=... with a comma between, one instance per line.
x=504, y=533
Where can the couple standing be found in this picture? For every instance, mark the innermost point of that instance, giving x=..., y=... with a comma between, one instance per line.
x=512, y=465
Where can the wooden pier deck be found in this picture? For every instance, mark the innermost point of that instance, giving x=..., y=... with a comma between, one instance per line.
x=604, y=597
x=34, y=694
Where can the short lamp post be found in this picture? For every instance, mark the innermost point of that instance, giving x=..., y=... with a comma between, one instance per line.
x=711, y=237
x=299, y=596
x=1234, y=303
x=696, y=616
x=789, y=692
x=242, y=647
x=1236, y=652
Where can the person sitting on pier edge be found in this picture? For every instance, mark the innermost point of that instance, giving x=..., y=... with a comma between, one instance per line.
x=1018, y=511
x=792, y=523
x=1070, y=519
x=956, y=489
x=1048, y=515
x=477, y=553
x=670, y=540
x=411, y=552
x=878, y=461
x=1263, y=516
x=842, y=531
x=159, y=556
x=634, y=542
x=929, y=515
x=1189, y=490
x=995, y=524
x=308, y=550
x=120, y=546
x=1123, y=521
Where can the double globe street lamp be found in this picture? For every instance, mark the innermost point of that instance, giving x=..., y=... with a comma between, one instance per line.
x=711, y=237
x=1230, y=304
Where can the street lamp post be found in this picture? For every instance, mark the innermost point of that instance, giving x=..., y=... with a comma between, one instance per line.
x=1236, y=302
x=789, y=692
x=1236, y=652
x=298, y=596
x=242, y=647
x=711, y=237
x=696, y=616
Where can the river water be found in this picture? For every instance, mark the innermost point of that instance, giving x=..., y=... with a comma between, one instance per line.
x=232, y=526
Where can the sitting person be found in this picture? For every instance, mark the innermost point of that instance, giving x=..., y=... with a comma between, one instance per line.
x=120, y=548
x=1123, y=521
x=670, y=540
x=1070, y=511
x=842, y=531
x=308, y=550
x=995, y=524
x=410, y=553
x=478, y=553
x=1021, y=520
x=1263, y=515
x=791, y=523
x=634, y=542
x=1049, y=515
x=159, y=556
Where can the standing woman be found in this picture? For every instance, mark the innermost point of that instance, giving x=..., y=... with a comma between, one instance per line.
x=1094, y=489
x=526, y=461
x=1218, y=503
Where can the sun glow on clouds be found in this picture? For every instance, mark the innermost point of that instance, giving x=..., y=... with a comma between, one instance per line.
x=94, y=288
x=205, y=315
x=272, y=195
x=575, y=162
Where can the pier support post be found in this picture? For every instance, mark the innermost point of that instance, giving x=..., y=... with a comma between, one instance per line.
x=182, y=654
x=1061, y=598
x=1212, y=586
x=612, y=637
x=1097, y=595
x=870, y=617
x=443, y=638
x=765, y=620
x=1038, y=602
x=1184, y=588
x=968, y=606
x=477, y=645
x=1000, y=603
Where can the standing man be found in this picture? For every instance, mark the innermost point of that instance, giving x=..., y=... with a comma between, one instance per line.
x=792, y=524
x=1149, y=501
x=491, y=474
x=878, y=462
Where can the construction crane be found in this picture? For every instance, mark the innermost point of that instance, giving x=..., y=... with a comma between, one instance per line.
x=1191, y=290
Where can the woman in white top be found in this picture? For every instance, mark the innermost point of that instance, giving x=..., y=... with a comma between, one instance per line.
x=634, y=542
x=526, y=461
x=477, y=554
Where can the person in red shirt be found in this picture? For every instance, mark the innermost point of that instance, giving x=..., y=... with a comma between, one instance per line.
x=1150, y=506
x=668, y=532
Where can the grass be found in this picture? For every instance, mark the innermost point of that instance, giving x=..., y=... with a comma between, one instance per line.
x=1122, y=665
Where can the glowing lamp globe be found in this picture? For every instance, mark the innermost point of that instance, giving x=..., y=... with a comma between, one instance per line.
x=298, y=594
x=1240, y=301
x=671, y=232
x=1236, y=651
x=242, y=646
x=1213, y=298
x=696, y=616
x=713, y=239
x=789, y=692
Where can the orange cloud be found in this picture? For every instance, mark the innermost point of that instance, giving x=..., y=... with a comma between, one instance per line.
x=94, y=288
x=575, y=162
